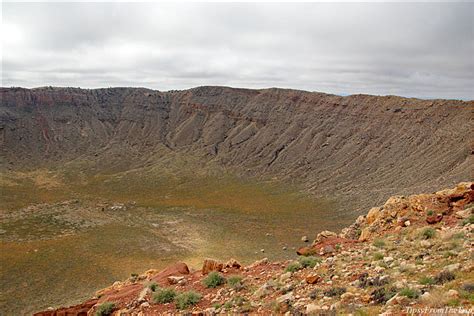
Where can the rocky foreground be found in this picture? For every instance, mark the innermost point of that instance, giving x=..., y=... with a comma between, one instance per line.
x=413, y=255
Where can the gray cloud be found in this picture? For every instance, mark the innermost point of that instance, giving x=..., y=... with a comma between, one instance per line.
x=422, y=50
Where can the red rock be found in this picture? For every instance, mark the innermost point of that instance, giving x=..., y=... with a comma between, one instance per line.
x=433, y=219
x=174, y=270
x=77, y=310
x=210, y=265
x=313, y=279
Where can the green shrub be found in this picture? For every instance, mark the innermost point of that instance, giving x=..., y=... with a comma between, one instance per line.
x=430, y=213
x=213, y=280
x=105, y=309
x=309, y=262
x=153, y=286
x=428, y=233
x=335, y=291
x=293, y=267
x=187, y=299
x=164, y=296
x=378, y=256
x=469, y=220
x=410, y=293
x=235, y=282
x=379, y=243
x=427, y=280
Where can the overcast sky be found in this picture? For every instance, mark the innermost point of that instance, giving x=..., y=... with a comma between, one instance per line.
x=422, y=50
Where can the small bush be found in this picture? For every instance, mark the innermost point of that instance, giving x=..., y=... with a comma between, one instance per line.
x=443, y=277
x=213, y=280
x=469, y=220
x=153, y=286
x=235, y=282
x=293, y=267
x=468, y=287
x=430, y=213
x=335, y=291
x=428, y=233
x=309, y=262
x=379, y=243
x=378, y=256
x=187, y=299
x=410, y=293
x=164, y=296
x=105, y=309
x=382, y=295
x=427, y=280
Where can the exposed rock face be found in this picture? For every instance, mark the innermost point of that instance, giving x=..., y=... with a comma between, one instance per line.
x=328, y=143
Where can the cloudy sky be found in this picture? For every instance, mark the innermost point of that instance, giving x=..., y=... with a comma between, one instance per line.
x=422, y=50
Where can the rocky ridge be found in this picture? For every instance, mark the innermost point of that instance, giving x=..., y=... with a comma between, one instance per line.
x=326, y=144
x=411, y=255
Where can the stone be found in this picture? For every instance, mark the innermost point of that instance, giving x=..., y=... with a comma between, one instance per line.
x=263, y=291
x=304, y=239
x=313, y=279
x=262, y=250
x=388, y=259
x=312, y=309
x=464, y=213
x=285, y=298
x=425, y=244
x=324, y=235
x=373, y=214
x=365, y=234
x=232, y=263
x=176, y=280
x=453, y=294
x=210, y=265
x=452, y=267
x=425, y=297
x=433, y=219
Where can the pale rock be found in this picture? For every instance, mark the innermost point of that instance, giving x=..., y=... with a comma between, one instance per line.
x=373, y=214
x=304, y=239
x=285, y=276
x=388, y=259
x=453, y=294
x=313, y=309
x=452, y=267
x=285, y=298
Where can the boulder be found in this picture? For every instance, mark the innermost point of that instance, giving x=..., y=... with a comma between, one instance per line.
x=365, y=234
x=324, y=235
x=313, y=279
x=210, y=265
x=232, y=263
x=433, y=219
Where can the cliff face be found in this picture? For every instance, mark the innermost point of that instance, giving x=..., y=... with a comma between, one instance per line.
x=324, y=142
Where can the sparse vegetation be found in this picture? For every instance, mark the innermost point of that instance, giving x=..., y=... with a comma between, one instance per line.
x=309, y=262
x=443, y=277
x=153, y=286
x=378, y=256
x=427, y=280
x=382, y=294
x=214, y=279
x=379, y=243
x=187, y=299
x=430, y=213
x=428, y=233
x=164, y=296
x=293, y=267
x=335, y=291
x=235, y=282
x=105, y=309
x=410, y=293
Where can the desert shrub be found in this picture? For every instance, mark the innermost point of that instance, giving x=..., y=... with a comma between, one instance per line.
x=410, y=293
x=164, y=296
x=379, y=243
x=469, y=220
x=427, y=280
x=314, y=294
x=443, y=277
x=105, y=309
x=293, y=267
x=428, y=233
x=187, y=299
x=382, y=295
x=453, y=302
x=235, y=282
x=335, y=291
x=153, y=286
x=378, y=256
x=309, y=262
x=213, y=280
x=468, y=287
x=430, y=213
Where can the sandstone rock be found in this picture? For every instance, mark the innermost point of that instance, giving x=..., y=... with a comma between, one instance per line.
x=453, y=294
x=176, y=280
x=313, y=279
x=452, y=267
x=347, y=297
x=313, y=309
x=324, y=235
x=232, y=263
x=365, y=234
x=373, y=214
x=434, y=219
x=210, y=265
x=464, y=213
x=285, y=298
x=285, y=276
x=304, y=239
